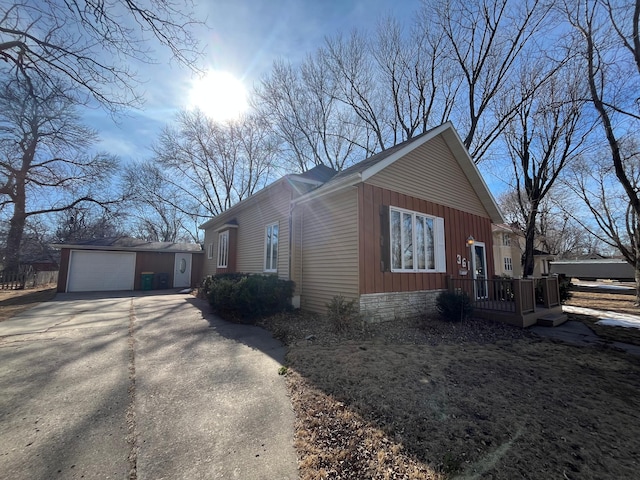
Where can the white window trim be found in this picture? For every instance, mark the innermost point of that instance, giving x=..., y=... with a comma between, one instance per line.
x=438, y=242
x=264, y=259
x=508, y=264
x=223, y=250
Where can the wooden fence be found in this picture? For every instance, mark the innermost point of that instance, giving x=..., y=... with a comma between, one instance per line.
x=27, y=278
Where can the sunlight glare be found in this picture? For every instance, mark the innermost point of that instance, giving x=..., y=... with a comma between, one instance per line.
x=219, y=95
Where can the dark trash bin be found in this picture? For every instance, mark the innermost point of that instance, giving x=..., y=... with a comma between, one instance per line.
x=162, y=280
x=146, y=281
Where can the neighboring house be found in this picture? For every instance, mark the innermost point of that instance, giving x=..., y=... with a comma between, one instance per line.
x=385, y=232
x=506, y=251
x=508, y=247
x=109, y=264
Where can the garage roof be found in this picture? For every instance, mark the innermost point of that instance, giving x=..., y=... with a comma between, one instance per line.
x=130, y=244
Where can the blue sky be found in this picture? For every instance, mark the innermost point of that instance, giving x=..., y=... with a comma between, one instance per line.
x=245, y=38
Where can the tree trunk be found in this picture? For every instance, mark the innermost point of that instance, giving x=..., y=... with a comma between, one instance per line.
x=637, y=272
x=16, y=229
x=527, y=255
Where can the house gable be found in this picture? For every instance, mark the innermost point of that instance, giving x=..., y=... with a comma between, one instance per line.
x=430, y=172
x=407, y=168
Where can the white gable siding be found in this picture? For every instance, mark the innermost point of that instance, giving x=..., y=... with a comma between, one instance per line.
x=431, y=172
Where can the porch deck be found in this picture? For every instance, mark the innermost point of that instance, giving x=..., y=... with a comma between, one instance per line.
x=512, y=300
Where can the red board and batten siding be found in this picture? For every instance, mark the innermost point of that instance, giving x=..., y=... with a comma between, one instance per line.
x=458, y=226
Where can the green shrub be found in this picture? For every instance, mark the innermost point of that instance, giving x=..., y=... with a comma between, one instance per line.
x=342, y=314
x=238, y=296
x=566, y=288
x=454, y=306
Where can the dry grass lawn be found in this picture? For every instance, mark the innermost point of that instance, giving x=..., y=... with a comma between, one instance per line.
x=456, y=401
x=13, y=302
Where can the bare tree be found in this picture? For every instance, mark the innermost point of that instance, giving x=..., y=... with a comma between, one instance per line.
x=557, y=231
x=545, y=133
x=608, y=39
x=315, y=128
x=44, y=164
x=86, y=222
x=595, y=180
x=485, y=44
x=85, y=41
x=211, y=166
x=151, y=205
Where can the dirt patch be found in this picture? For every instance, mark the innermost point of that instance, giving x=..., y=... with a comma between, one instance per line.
x=13, y=302
x=611, y=302
x=434, y=400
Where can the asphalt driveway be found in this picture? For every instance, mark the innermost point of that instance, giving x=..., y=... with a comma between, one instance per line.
x=145, y=387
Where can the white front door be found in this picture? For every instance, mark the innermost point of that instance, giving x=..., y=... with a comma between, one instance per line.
x=479, y=259
x=182, y=271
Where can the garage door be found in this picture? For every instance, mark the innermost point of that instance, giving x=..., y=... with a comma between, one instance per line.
x=91, y=271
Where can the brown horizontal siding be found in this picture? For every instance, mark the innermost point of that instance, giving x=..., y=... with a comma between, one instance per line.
x=329, y=250
x=458, y=226
x=432, y=173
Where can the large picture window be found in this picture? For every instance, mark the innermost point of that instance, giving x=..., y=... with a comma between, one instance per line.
x=417, y=242
x=223, y=250
x=271, y=248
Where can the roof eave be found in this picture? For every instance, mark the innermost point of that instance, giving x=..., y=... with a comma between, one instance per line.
x=456, y=145
x=328, y=188
x=242, y=204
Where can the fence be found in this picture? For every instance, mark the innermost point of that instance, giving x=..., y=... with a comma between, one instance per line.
x=26, y=279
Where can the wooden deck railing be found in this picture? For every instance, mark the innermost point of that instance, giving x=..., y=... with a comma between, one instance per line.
x=502, y=294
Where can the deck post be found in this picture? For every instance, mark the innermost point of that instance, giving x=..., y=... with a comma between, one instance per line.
x=546, y=300
x=517, y=295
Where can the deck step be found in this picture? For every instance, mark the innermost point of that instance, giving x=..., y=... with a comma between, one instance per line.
x=552, y=319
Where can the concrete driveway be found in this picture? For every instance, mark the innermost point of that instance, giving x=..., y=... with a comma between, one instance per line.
x=146, y=387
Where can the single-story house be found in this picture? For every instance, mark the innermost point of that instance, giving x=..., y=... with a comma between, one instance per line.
x=118, y=263
x=385, y=232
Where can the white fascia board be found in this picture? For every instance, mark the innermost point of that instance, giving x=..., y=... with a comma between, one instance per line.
x=122, y=249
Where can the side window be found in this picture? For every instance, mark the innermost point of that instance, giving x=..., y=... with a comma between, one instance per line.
x=271, y=248
x=508, y=266
x=210, y=251
x=223, y=250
